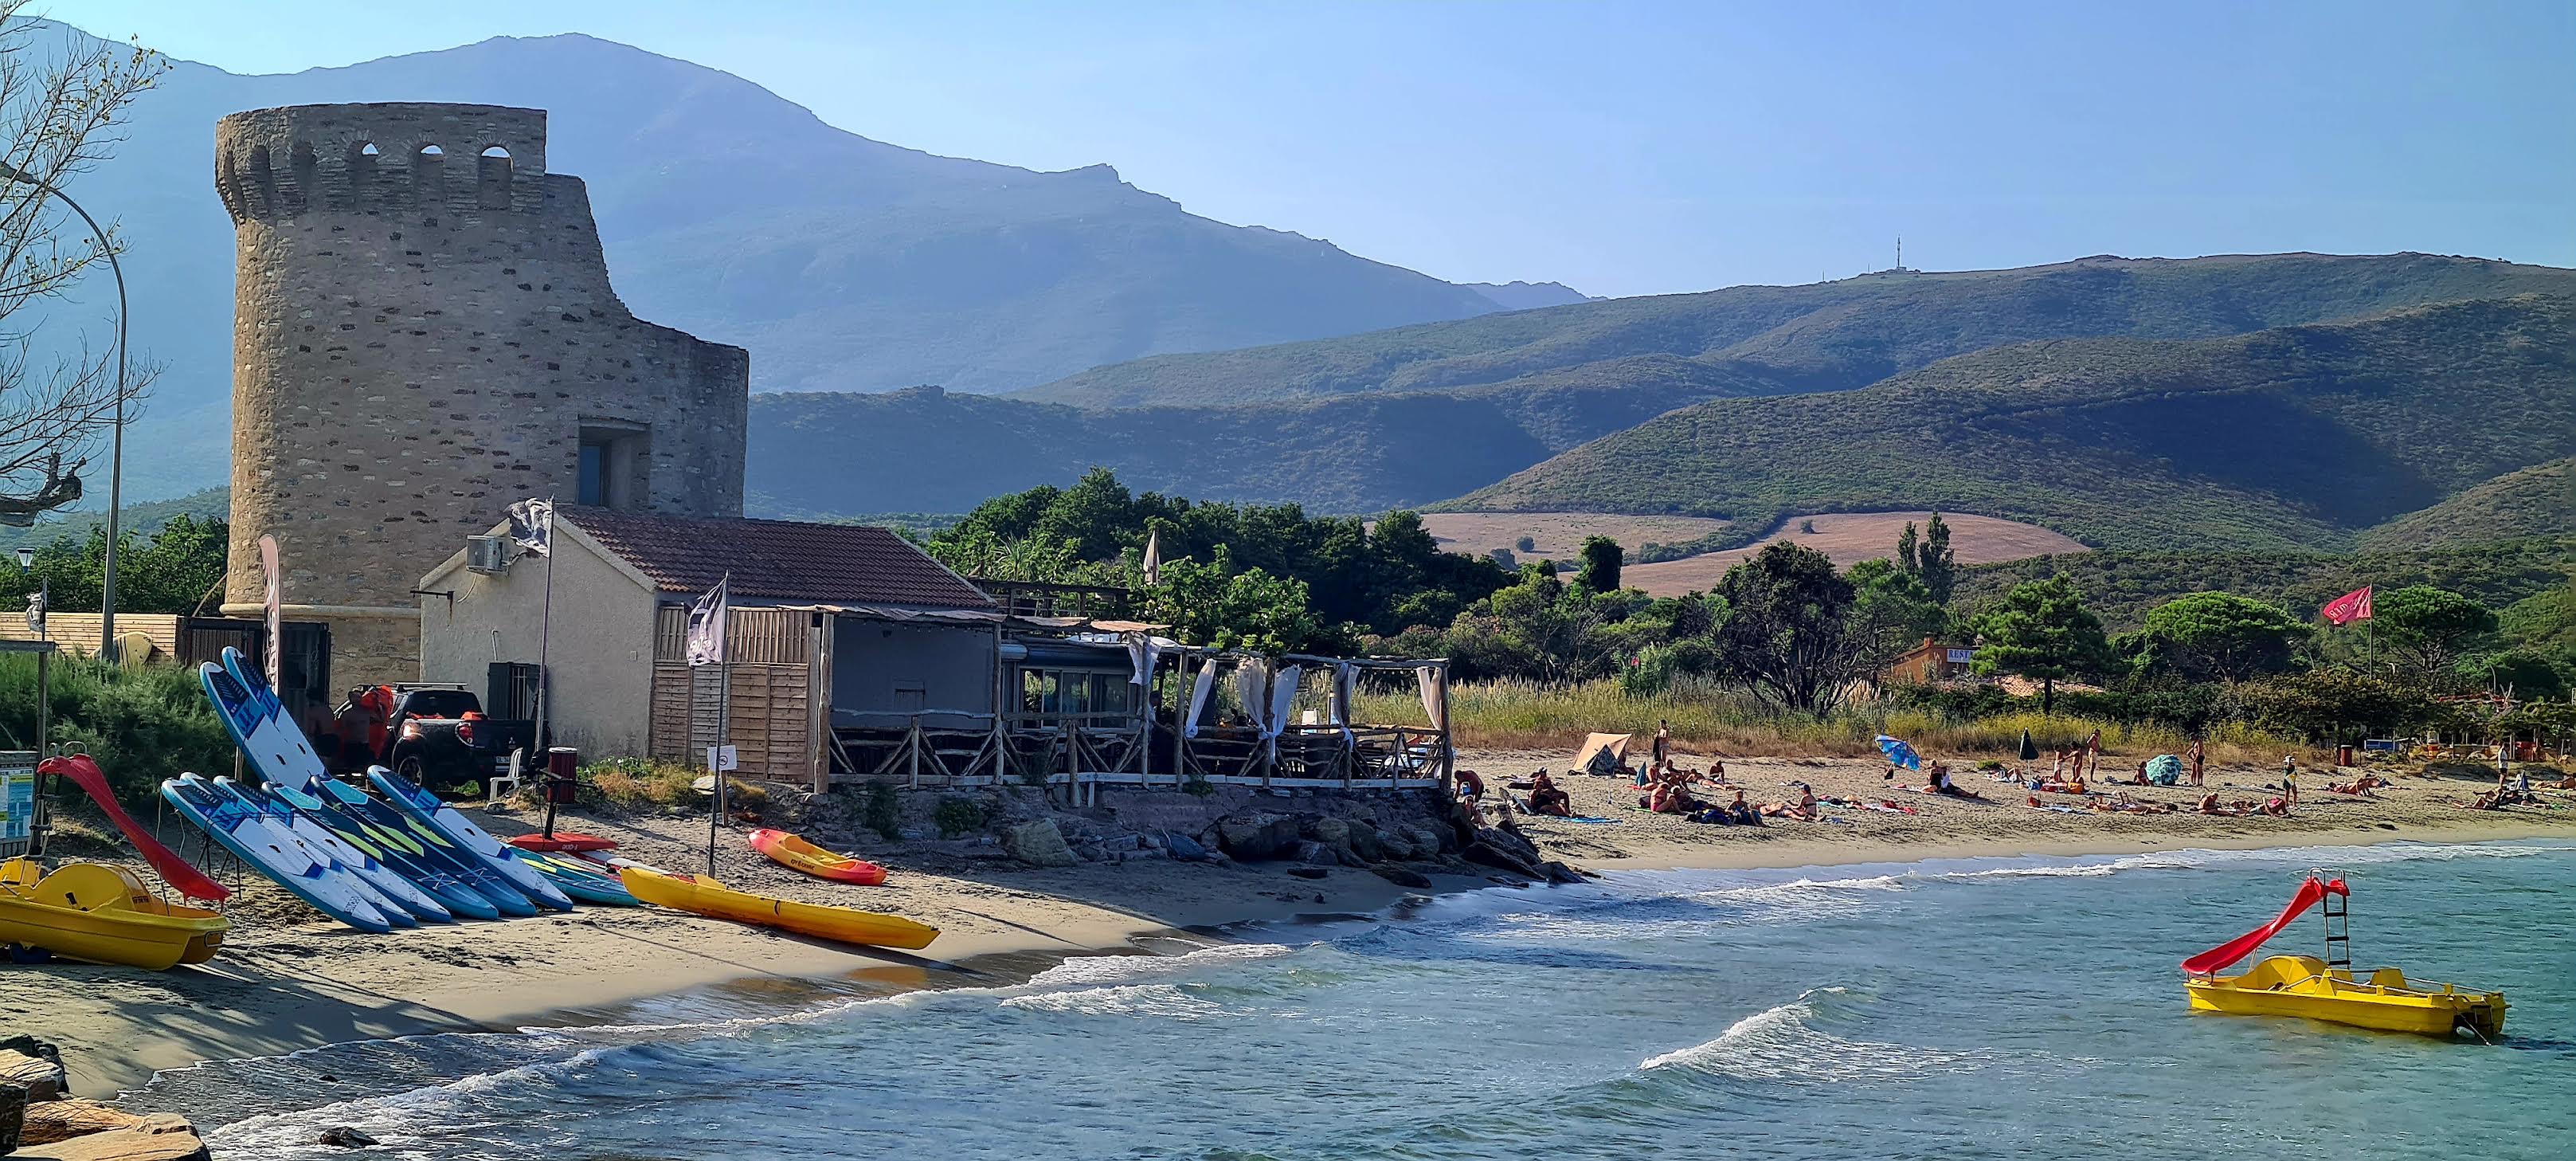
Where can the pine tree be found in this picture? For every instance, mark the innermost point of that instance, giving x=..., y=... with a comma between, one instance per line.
x=1934, y=562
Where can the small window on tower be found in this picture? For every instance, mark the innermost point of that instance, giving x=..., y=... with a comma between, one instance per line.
x=594, y=474
x=614, y=459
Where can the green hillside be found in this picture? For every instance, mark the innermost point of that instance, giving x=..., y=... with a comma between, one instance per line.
x=1828, y=335
x=2122, y=586
x=2536, y=501
x=928, y=450
x=2297, y=437
x=143, y=518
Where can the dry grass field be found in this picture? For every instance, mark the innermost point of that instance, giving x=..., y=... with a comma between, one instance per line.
x=1557, y=535
x=1851, y=537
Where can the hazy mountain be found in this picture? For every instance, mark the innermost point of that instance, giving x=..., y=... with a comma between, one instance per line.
x=841, y=262
x=927, y=450
x=1528, y=295
x=2293, y=437
x=1827, y=336
x=1582, y=372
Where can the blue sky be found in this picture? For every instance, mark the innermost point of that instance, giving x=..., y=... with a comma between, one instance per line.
x=1633, y=148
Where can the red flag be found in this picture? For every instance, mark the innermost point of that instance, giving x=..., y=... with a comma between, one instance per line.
x=2348, y=608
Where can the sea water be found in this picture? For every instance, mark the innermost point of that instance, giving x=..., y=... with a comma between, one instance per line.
x=2026, y=1008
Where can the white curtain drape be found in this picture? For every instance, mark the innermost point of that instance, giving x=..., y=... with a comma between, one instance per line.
x=1199, y=699
x=1435, y=702
x=1142, y=652
x=1283, y=695
x=1345, y=676
x=1252, y=688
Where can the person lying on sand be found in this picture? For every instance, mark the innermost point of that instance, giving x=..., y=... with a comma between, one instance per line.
x=2056, y=786
x=2121, y=803
x=2361, y=786
x=1804, y=808
x=2277, y=807
x=1546, y=798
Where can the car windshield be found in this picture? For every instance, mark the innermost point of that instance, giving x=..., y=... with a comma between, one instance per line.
x=440, y=703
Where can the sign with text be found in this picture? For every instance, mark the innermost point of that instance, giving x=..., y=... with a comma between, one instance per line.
x=17, y=802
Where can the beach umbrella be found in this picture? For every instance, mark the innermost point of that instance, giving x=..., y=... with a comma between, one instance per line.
x=2029, y=749
x=1899, y=754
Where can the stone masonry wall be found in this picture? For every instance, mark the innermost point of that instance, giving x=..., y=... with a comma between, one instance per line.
x=423, y=324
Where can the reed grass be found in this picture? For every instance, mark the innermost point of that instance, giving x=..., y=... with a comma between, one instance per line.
x=1704, y=717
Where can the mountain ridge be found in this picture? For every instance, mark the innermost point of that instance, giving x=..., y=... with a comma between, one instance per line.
x=1824, y=336
x=2287, y=438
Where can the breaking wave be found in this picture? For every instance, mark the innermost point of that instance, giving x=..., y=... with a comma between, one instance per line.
x=1782, y=1043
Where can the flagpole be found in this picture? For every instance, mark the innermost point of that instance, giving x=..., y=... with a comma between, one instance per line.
x=545, y=633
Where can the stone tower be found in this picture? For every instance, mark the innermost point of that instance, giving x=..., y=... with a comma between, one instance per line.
x=423, y=333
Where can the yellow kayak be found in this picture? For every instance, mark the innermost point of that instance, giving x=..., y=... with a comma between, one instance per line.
x=704, y=896
x=2300, y=985
x=102, y=914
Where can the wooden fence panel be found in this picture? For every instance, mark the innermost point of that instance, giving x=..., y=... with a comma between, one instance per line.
x=768, y=714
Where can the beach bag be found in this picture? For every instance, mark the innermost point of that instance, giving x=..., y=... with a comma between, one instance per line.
x=2164, y=769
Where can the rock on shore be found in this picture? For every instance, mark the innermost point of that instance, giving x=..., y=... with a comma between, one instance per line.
x=39, y=1122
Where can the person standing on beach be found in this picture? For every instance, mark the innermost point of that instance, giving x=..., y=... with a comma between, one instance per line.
x=2197, y=756
x=2290, y=778
x=1663, y=742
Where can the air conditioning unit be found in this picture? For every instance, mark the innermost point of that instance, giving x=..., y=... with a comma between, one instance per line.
x=487, y=553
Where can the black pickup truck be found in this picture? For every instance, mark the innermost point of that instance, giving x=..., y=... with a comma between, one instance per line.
x=434, y=735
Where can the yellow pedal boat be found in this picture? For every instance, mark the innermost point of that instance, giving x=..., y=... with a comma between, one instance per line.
x=701, y=895
x=2303, y=986
x=102, y=914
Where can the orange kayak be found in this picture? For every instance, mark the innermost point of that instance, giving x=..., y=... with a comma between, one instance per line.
x=705, y=896
x=796, y=854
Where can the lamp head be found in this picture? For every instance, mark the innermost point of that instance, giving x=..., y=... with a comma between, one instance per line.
x=10, y=172
x=26, y=557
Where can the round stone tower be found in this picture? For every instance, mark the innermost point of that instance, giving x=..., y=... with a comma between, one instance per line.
x=423, y=333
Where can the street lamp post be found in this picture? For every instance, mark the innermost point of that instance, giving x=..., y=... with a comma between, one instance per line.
x=41, y=616
x=116, y=447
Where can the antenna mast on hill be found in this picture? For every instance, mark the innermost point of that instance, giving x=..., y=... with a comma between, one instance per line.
x=1900, y=251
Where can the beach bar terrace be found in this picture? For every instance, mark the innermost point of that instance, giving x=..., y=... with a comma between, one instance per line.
x=959, y=698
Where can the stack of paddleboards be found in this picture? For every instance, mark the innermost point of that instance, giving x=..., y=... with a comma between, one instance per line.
x=373, y=862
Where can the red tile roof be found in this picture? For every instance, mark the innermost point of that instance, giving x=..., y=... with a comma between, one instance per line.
x=781, y=560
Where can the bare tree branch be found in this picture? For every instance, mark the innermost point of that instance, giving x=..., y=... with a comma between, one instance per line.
x=61, y=96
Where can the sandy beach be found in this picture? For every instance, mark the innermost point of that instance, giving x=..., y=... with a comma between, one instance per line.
x=288, y=981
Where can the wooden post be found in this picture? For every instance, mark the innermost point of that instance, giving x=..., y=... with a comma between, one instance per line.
x=818, y=697
x=1145, y=724
x=912, y=750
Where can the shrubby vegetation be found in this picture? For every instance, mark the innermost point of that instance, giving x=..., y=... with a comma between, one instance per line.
x=173, y=570
x=142, y=725
x=1253, y=575
x=1787, y=639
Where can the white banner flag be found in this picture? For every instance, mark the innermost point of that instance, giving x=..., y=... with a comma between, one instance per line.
x=532, y=524
x=273, y=600
x=707, y=625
